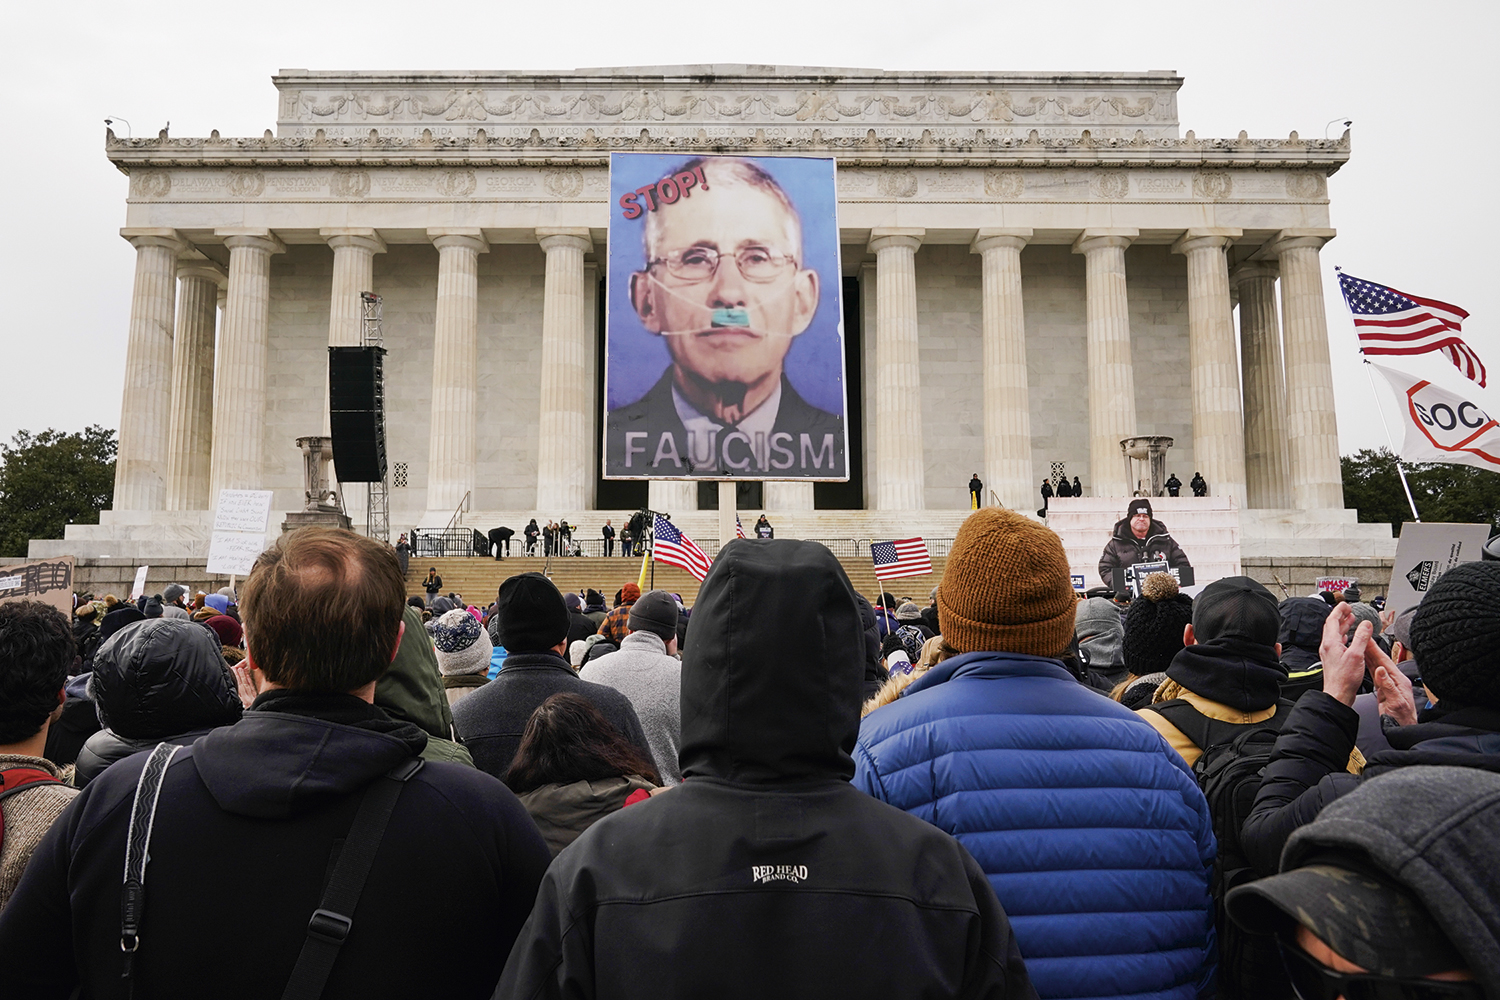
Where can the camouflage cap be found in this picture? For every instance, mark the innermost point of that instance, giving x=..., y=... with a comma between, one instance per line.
x=1365, y=918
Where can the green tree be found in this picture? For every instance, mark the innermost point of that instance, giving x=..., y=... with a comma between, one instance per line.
x=1443, y=492
x=52, y=479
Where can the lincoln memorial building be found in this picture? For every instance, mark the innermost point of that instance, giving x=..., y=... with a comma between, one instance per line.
x=1035, y=267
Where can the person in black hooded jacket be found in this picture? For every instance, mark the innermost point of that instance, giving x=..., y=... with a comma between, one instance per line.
x=1301, y=631
x=875, y=674
x=251, y=819
x=1454, y=634
x=1227, y=676
x=162, y=680
x=765, y=873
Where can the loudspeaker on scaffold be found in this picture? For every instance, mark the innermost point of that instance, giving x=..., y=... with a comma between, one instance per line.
x=356, y=413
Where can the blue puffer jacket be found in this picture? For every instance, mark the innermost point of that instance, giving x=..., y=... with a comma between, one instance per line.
x=1091, y=829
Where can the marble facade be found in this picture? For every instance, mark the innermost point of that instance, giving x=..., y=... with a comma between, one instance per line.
x=1045, y=265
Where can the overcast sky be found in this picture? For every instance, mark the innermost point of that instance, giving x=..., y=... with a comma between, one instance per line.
x=1418, y=205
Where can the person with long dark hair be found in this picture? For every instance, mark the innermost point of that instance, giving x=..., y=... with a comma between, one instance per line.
x=573, y=768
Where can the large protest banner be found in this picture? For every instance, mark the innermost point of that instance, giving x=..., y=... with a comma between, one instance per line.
x=724, y=320
x=47, y=580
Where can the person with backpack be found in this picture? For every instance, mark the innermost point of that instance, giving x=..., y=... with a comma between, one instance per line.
x=1220, y=708
x=310, y=830
x=36, y=652
x=1228, y=676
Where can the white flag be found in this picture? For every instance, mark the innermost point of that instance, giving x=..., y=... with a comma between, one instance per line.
x=1442, y=425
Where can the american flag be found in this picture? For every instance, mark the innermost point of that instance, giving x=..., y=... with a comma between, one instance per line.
x=739, y=529
x=903, y=557
x=676, y=549
x=1392, y=322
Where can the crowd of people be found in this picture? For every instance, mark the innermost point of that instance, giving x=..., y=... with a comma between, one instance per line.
x=998, y=789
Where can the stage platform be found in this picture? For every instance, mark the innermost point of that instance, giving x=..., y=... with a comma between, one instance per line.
x=1292, y=546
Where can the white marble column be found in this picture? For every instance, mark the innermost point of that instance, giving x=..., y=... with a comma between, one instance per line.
x=672, y=496
x=1111, y=369
x=1007, y=407
x=1311, y=424
x=1218, y=427
x=452, y=441
x=565, y=430
x=240, y=383
x=145, y=409
x=354, y=253
x=898, y=375
x=1267, y=479
x=191, y=429
x=788, y=496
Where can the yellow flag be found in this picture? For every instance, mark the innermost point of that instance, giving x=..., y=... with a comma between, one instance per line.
x=645, y=565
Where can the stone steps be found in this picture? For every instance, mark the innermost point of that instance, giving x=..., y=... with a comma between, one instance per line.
x=478, y=579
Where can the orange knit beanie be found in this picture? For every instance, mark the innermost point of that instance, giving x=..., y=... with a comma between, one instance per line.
x=1006, y=587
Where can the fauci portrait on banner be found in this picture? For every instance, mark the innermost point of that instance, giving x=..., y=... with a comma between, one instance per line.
x=725, y=349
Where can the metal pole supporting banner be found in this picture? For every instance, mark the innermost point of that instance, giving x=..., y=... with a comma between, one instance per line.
x=1394, y=450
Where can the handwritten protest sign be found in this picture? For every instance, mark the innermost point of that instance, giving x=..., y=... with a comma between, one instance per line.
x=47, y=580
x=233, y=552
x=1335, y=583
x=243, y=510
x=239, y=536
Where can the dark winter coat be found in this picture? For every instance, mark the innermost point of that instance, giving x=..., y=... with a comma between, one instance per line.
x=1093, y=833
x=1046, y=491
x=249, y=822
x=85, y=642
x=766, y=874
x=79, y=721
x=562, y=812
x=875, y=674
x=492, y=719
x=160, y=680
x=1301, y=633
x=1064, y=488
x=580, y=626
x=1308, y=768
x=1124, y=549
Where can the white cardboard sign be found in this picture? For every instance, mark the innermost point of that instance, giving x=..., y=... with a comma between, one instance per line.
x=139, y=586
x=233, y=553
x=243, y=510
x=1426, y=551
x=239, y=536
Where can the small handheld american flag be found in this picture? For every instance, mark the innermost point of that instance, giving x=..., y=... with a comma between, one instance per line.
x=739, y=529
x=1392, y=322
x=903, y=557
x=676, y=549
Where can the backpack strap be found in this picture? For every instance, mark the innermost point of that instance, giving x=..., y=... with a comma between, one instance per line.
x=18, y=779
x=1203, y=731
x=138, y=853
x=331, y=921
x=1206, y=732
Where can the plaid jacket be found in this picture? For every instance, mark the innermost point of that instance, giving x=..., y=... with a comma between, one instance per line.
x=616, y=624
